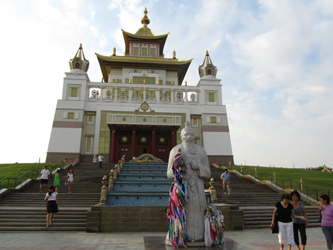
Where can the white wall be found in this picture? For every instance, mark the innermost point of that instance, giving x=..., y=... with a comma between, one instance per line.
x=217, y=143
x=65, y=140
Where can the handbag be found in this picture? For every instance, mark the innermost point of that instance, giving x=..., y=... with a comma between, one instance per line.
x=275, y=228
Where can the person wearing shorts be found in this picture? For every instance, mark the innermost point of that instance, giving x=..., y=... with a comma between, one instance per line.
x=70, y=180
x=44, y=178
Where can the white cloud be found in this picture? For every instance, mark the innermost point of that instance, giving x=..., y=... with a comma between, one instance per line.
x=93, y=14
x=103, y=42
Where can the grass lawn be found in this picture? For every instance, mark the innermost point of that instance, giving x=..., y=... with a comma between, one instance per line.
x=11, y=170
x=312, y=178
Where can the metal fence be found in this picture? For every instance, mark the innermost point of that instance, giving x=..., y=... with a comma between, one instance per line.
x=12, y=182
x=283, y=183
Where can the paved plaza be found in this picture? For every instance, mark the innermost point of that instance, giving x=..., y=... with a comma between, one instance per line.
x=260, y=239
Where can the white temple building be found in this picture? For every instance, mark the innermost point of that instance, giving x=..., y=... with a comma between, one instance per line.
x=140, y=106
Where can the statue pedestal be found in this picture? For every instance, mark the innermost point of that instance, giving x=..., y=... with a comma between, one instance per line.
x=188, y=244
x=196, y=244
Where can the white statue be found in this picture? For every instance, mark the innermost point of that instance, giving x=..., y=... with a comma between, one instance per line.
x=198, y=168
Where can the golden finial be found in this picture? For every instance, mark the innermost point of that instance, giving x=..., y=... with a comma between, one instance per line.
x=114, y=51
x=185, y=83
x=171, y=82
x=145, y=20
x=130, y=80
x=174, y=54
x=116, y=80
x=207, y=54
x=144, y=80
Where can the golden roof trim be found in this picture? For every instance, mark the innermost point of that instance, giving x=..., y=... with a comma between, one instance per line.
x=145, y=59
x=145, y=37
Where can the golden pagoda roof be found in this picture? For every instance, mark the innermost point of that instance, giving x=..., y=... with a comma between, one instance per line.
x=108, y=62
x=144, y=34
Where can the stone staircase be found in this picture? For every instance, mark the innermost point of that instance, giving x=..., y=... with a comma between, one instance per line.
x=256, y=200
x=25, y=209
x=261, y=217
x=141, y=184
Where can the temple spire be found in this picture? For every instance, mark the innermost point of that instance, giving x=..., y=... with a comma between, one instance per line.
x=145, y=20
x=79, y=61
x=207, y=68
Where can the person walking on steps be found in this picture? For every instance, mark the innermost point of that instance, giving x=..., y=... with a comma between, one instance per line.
x=70, y=180
x=52, y=205
x=226, y=181
x=56, y=181
x=44, y=178
x=100, y=160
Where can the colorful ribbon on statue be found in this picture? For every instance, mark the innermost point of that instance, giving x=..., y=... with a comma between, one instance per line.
x=177, y=197
x=214, y=227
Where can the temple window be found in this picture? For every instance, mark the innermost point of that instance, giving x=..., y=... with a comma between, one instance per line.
x=211, y=97
x=70, y=115
x=117, y=80
x=152, y=51
x=89, y=140
x=144, y=79
x=73, y=92
x=213, y=119
x=136, y=51
x=90, y=119
x=126, y=80
x=144, y=51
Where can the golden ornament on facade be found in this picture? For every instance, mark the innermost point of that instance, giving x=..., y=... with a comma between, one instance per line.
x=144, y=106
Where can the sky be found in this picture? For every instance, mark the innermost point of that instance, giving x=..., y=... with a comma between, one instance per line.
x=274, y=59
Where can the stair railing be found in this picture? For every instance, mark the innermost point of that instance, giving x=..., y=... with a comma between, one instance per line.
x=30, y=174
x=284, y=183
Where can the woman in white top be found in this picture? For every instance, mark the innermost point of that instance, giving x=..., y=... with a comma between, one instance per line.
x=70, y=180
x=52, y=204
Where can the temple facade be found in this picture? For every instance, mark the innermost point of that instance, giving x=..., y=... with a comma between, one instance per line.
x=140, y=106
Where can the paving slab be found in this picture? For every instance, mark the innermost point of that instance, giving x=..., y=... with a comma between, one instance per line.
x=259, y=239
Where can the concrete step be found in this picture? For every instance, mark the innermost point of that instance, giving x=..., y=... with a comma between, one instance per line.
x=142, y=186
x=25, y=210
x=138, y=199
x=42, y=228
x=262, y=218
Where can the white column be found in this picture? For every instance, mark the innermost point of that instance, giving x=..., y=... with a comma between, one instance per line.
x=130, y=94
x=115, y=94
x=87, y=93
x=157, y=96
x=97, y=127
x=172, y=95
x=144, y=94
x=101, y=94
